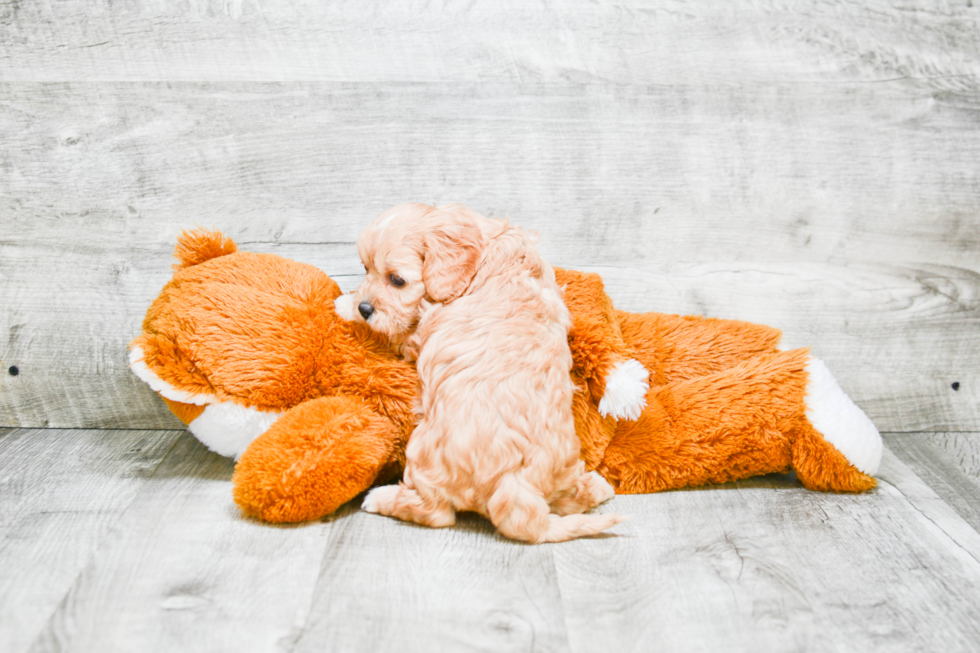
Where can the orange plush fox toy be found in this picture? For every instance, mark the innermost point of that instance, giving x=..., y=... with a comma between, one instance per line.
x=248, y=350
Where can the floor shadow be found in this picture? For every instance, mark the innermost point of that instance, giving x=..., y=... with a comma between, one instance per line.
x=189, y=458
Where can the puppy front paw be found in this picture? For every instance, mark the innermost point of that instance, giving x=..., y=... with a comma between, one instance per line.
x=380, y=498
x=411, y=348
x=626, y=391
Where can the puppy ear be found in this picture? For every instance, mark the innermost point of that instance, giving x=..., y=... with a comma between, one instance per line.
x=452, y=253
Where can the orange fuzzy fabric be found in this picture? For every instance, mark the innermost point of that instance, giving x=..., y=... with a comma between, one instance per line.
x=200, y=245
x=186, y=413
x=260, y=331
x=314, y=458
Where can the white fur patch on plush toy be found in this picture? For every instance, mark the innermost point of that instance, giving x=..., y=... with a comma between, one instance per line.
x=626, y=391
x=227, y=428
x=344, y=305
x=147, y=375
x=840, y=421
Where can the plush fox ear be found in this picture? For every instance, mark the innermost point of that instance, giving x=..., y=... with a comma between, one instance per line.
x=452, y=252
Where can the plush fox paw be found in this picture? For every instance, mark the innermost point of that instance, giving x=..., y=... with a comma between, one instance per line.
x=626, y=391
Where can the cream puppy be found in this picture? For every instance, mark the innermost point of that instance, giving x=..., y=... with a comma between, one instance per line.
x=473, y=300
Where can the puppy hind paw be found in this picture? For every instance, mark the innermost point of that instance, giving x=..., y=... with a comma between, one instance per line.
x=600, y=488
x=626, y=391
x=379, y=499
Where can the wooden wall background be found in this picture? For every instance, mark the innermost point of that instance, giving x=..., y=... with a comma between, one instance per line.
x=813, y=166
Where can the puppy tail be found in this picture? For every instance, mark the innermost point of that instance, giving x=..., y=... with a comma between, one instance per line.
x=200, y=245
x=562, y=529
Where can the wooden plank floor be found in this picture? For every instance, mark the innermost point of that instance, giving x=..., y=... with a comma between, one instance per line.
x=129, y=541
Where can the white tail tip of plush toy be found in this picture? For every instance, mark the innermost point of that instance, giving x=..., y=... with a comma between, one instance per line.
x=626, y=391
x=840, y=421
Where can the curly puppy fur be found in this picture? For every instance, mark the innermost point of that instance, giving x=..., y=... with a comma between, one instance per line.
x=472, y=299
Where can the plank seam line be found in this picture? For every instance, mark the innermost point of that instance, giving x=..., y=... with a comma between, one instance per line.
x=116, y=428
x=967, y=432
x=934, y=523
x=561, y=596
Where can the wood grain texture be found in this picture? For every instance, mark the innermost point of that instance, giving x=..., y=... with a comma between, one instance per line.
x=61, y=493
x=963, y=448
x=184, y=571
x=390, y=586
x=761, y=565
x=568, y=42
x=948, y=464
x=774, y=568
x=779, y=172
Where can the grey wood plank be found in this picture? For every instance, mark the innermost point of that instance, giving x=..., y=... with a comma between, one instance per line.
x=787, y=172
x=948, y=464
x=390, y=586
x=630, y=42
x=747, y=567
x=961, y=538
x=963, y=448
x=61, y=492
x=775, y=566
x=184, y=571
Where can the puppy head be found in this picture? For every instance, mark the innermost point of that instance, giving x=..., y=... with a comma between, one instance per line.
x=411, y=253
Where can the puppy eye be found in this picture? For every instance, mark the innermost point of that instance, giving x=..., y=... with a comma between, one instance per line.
x=396, y=280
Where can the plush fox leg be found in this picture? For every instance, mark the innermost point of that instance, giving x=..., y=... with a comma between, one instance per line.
x=837, y=447
x=316, y=457
x=820, y=466
x=748, y=420
x=711, y=429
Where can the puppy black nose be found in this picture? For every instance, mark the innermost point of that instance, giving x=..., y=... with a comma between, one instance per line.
x=365, y=309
